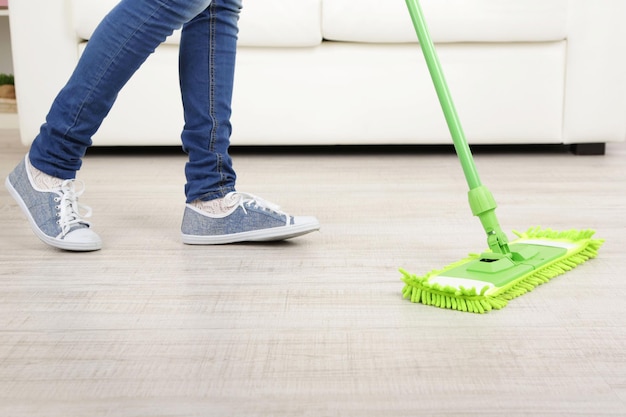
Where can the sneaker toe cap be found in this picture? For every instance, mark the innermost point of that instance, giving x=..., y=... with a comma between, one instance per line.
x=83, y=239
x=306, y=220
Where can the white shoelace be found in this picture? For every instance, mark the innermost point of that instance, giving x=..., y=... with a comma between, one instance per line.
x=234, y=199
x=252, y=200
x=68, y=206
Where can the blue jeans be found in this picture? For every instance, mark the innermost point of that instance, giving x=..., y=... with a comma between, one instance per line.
x=121, y=43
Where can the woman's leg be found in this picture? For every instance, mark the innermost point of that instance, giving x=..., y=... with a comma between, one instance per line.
x=118, y=47
x=43, y=183
x=215, y=213
x=207, y=65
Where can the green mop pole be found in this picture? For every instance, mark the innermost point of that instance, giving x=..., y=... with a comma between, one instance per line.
x=481, y=200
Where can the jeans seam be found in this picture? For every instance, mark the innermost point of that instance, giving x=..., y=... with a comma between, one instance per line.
x=215, y=127
x=212, y=35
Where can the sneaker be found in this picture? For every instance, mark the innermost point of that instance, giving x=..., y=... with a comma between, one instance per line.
x=52, y=209
x=241, y=217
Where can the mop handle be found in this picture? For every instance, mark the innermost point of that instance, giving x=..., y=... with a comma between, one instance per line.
x=445, y=99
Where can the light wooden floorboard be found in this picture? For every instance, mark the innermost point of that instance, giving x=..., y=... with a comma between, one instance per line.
x=315, y=326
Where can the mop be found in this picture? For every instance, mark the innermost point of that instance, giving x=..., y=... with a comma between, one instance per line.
x=487, y=281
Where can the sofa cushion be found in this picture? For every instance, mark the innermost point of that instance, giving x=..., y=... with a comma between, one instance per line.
x=285, y=23
x=280, y=23
x=448, y=20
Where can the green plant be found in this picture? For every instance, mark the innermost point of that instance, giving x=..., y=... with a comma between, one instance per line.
x=7, y=79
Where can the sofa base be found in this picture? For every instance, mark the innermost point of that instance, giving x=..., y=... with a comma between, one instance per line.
x=588, y=148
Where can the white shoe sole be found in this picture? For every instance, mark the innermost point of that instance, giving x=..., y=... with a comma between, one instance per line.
x=262, y=235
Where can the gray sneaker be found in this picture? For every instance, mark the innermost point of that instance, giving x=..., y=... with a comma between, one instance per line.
x=249, y=218
x=53, y=214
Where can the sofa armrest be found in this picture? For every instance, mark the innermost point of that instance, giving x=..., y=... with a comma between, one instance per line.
x=595, y=89
x=45, y=52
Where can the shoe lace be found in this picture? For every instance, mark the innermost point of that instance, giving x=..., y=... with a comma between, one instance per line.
x=68, y=208
x=251, y=200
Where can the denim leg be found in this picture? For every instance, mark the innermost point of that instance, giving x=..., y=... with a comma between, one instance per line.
x=207, y=66
x=118, y=47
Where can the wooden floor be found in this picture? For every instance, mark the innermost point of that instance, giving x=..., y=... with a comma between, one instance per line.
x=315, y=326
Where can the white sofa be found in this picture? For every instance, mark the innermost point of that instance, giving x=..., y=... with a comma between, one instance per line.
x=351, y=72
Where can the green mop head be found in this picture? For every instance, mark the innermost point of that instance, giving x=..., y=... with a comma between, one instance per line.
x=481, y=283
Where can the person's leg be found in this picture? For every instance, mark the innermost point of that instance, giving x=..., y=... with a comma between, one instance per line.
x=215, y=212
x=43, y=183
x=207, y=66
x=118, y=47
